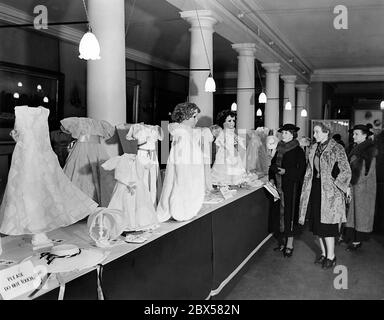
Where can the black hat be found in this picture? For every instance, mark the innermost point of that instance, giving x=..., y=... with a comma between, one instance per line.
x=289, y=127
x=363, y=128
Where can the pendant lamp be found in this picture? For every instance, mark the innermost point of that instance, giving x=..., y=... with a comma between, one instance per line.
x=288, y=105
x=89, y=47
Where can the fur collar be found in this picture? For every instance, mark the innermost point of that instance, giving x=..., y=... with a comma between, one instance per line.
x=361, y=153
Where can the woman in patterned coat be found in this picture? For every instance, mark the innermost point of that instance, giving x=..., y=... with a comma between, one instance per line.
x=325, y=185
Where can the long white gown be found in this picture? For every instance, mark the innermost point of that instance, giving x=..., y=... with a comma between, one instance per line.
x=39, y=197
x=228, y=168
x=184, y=183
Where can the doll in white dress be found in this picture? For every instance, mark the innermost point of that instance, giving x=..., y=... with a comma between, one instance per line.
x=83, y=163
x=229, y=168
x=130, y=194
x=39, y=197
x=147, y=137
x=185, y=182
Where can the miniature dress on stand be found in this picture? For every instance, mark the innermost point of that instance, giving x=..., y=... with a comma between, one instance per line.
x=39, y=197
x=84, y=161
x=130, y=195
x=257, y=155
x=228, y=168
x=184, y=183
x=147, y=137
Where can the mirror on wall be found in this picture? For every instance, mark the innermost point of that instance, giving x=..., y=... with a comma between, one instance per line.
x=23, y=85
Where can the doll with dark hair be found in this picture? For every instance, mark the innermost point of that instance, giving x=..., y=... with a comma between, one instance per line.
x=185, y=177
x=223, y=115
x=228, y=169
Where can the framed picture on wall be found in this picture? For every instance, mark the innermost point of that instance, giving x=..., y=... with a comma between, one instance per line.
x=34, y=87
x=374, y=117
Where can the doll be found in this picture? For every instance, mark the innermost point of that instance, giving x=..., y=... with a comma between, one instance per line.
x=184, y=183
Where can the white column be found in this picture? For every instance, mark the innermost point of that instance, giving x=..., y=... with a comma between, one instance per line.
x=271, y=114
x=302, y=122
x=201, y=30
x=106, y=98
x=289, y=94
x=245, y=85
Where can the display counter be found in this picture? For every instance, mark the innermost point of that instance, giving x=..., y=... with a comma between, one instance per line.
x=181, y=260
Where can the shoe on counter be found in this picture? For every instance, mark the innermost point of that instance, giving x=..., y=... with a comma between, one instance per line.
x=354, y=246
x=320, y=259
x=328, y=263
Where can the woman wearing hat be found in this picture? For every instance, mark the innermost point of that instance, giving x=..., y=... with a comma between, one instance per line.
x=323, y=194
x=362, y=191
x=287, y=171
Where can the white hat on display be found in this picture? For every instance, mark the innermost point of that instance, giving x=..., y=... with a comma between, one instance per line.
x=68, y=258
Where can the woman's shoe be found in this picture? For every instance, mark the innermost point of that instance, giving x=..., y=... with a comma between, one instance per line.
x=288, y=252
x=320, y=260
x=329, y=263
x=354, y=246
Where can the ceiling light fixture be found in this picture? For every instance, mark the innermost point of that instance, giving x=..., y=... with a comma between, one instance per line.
x=89, y=46
x=234, y=106
x=382, y=105
x=262, y=95
x=259, y=113
x=288, y=105
x=303, y=113
x=210, y=85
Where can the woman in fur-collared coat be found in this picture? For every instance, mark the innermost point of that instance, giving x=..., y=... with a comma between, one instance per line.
x=325, y=184
x=362, y=192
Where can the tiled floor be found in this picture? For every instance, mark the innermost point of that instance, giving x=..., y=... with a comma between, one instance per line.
x=271, y=276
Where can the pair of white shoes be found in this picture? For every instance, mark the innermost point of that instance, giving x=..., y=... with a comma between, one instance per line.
x=132, y=238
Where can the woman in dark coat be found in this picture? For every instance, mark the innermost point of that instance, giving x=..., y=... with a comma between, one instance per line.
x=362, y=190
x=287, y=172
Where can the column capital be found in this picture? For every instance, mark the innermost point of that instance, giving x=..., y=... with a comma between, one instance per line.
x=301, y=87
x=204, y=18
x=245, y=49
x=272, y=67
x=289, y=79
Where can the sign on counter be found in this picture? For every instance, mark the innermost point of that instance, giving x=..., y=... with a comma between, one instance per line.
x=17, y=280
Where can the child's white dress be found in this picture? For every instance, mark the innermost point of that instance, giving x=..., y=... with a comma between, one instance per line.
x=130, y=195
x=228, y=168
x=147, y=137
x=83, y=163
x=185, y=182
x=39, y=197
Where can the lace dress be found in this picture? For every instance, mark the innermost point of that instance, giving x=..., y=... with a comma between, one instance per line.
x=39, y=197
x=84, y=160
x=185, y=182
